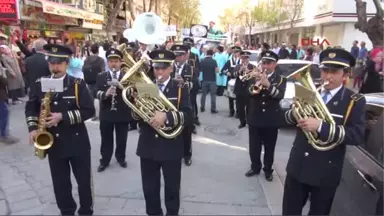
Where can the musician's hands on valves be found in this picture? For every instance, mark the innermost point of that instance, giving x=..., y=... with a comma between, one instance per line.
x=309, y=124
x=158, y=120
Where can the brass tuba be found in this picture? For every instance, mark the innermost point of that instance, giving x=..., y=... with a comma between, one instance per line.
x=145, y=105
x=308, y=103
x=43, y=139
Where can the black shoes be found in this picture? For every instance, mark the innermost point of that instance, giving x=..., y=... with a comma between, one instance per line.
x=123, y=164
x=269, y=176
x=102, y=167
x=252, y=172
x=187, y=161
x=242, y=125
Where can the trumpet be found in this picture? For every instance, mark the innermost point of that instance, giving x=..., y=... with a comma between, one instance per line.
x=256, y=88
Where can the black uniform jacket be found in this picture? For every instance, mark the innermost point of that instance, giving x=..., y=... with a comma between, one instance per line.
x=264, y=108
x=241, y=87
x=70, y=135
x=153, y=146
x=323, y=168
x=195, y=63
x=123, y=112
x=230, y=66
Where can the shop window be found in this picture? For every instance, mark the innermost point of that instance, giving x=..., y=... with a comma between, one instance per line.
x=70, y=2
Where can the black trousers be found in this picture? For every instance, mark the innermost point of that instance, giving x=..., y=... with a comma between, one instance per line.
x=258, y=137
x=296, y=195
x=150, y=176
x=187, y=140
x=193, y=99
x=62, y=186
x=231, y=102
x=242, y=107
x=106, y=149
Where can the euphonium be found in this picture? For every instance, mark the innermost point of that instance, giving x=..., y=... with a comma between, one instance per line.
x=43, y=139
x=302, y=109
x=145, y=107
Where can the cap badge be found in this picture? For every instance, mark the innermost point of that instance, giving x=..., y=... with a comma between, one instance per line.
x=332, y=55
x=177, y=47
x=113, y=52
x=267, y=54
x=161, y=55
x=54, y=49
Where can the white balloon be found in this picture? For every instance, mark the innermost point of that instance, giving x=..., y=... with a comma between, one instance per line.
x=128, y=33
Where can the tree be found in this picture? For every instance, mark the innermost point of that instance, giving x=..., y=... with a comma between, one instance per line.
x=228, y=21
x=373, y=27
x=293, y=11
x=187, y=11
x=111, y=15
x=247, y=17
x=276, y=14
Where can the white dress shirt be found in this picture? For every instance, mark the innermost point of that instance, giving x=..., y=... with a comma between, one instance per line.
x=165, y=83
x=331, y=94
x=117, y=74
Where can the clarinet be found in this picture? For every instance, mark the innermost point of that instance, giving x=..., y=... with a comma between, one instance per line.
x=113, y=101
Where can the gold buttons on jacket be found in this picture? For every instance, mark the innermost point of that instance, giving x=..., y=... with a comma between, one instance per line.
x=55, y=102
x=156, y=135
x=306, y=154
x=57, y=135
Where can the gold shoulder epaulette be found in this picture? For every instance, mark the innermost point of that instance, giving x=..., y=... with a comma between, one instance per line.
x=357, y=96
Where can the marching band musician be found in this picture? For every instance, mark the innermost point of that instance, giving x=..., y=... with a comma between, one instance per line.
x=193, y=60
x=115, y=115
x=264, y=115
x=183, y=73
x=157, y=153
x=71, y=146
x=230, y=67
x=316, y=174
x=241, y=90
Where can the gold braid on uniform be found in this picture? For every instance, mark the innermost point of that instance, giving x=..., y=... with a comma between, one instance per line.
x=100, y=95
x=74, y=117
x=274, y=90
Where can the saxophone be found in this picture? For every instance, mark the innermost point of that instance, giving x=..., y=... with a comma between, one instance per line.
x=43, y=139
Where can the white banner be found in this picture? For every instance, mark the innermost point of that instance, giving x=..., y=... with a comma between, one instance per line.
x=170, y=30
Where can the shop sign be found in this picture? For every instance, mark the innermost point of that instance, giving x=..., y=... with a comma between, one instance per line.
x=32, y=13
x=8, y=10
x=52, y=34
x=68, y=11
x=93, y=24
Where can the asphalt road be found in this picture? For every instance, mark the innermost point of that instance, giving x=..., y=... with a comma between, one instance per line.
x=214, y=184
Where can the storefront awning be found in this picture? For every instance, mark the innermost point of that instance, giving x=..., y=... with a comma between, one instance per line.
x=68, y=11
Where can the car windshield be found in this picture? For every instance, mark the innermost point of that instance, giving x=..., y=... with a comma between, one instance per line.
x=253, y=57
x=287, y=69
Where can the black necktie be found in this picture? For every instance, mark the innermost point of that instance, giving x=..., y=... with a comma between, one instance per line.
x=114, y=75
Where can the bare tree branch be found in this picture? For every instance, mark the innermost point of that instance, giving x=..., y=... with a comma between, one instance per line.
x=151, y=3
x=144, y=6
x=374, y=27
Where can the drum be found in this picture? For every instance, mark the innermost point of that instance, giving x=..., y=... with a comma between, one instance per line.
x=231, y=88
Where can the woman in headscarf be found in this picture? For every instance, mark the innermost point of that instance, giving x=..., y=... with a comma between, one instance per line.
x=15, y=78
x=373, y=77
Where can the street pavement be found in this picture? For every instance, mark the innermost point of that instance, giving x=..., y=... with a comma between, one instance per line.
x=215, y=183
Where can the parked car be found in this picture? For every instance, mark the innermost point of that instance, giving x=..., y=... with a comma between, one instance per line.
x=253, y=59
x=361, y=188
x=287, y=67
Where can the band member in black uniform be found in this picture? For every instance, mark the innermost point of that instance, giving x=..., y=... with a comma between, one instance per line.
x=312, y=173
x=157, y=153
x=229, y=69
x=193, y=60
x=183, y=73
x=264, y=114
x=241, y=90
x=71, y=146
x=114, y=112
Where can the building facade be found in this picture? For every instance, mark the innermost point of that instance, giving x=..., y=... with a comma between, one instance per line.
x=330, y=22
